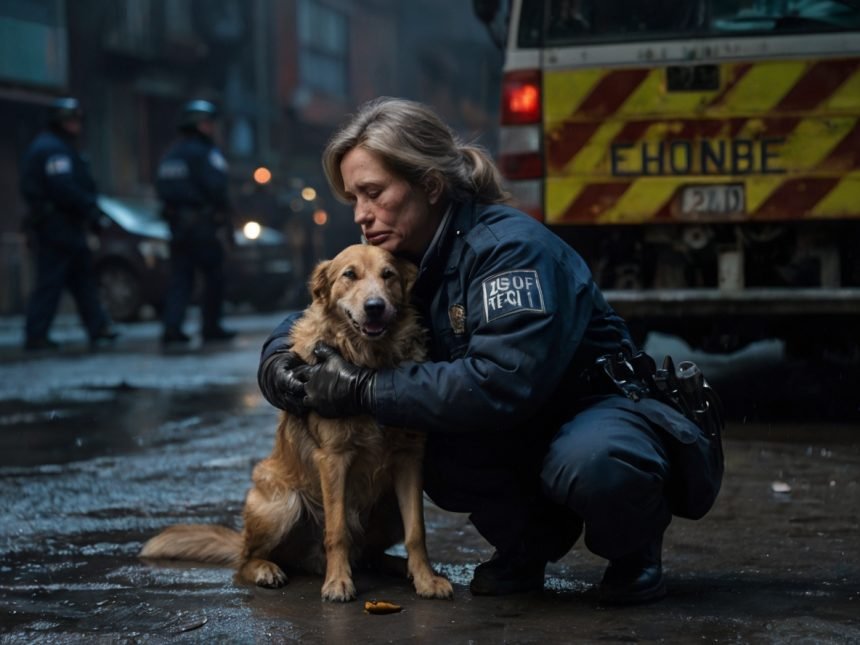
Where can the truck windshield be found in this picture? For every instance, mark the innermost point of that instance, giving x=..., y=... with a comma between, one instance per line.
x=576, y=22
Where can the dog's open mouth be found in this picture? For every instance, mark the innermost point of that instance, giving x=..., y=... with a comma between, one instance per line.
x=373, y=329
x=369, y=328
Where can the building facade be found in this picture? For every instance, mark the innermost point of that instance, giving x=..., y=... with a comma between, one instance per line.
x=283, y=72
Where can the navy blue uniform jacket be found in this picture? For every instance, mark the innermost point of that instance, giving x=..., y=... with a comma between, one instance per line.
x=60, y=191
x=513, y=317
x=192, y=175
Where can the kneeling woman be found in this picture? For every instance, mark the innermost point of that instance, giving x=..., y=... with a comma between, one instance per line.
x=516, y=436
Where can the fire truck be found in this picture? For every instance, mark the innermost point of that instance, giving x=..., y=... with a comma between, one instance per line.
x=702, y=155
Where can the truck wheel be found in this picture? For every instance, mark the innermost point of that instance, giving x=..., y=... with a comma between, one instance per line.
x=120, y=292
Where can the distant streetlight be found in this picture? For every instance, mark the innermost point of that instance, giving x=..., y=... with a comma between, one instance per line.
x=320, y=217
x=309, y=194
x=262, y=175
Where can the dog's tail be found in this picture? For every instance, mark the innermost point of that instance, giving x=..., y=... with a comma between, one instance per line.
x=197, y=543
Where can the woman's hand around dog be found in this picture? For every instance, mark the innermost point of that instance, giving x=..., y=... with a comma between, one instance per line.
x=282, y=383
x=335, y=387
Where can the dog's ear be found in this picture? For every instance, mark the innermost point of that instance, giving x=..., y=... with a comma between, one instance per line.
x=408, y=275
x=319, y=284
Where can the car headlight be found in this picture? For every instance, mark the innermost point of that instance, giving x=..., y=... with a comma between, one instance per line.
x=252, y=230
x=153, y=251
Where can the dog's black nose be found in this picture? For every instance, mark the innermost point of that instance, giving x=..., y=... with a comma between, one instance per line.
x=374, y=308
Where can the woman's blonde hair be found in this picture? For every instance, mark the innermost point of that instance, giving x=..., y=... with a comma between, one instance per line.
x=414, y=143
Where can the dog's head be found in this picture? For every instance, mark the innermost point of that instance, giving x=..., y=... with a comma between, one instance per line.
x=366, y=286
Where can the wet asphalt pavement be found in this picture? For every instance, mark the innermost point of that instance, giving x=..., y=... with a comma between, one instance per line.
x=99, y=451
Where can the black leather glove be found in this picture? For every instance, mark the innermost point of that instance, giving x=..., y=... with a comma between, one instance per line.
x=281, y=384
x=337, y=388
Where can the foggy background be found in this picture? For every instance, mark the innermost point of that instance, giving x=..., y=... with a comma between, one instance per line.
x=284, y=74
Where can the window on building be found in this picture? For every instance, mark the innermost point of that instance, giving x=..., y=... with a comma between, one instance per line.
x=33, y=42
x=573, y=22
x=323, y=48
x=177, y=20
x=130, y=26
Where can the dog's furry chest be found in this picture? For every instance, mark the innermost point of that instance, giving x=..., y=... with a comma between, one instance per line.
x=372, y=451
x=360, y=436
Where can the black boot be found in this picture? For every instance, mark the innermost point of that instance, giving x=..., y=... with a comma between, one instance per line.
x=174, y=336
x=105, y=335
x=635, y=578
x=36, y=344
x=218, y=334
x=509, y=572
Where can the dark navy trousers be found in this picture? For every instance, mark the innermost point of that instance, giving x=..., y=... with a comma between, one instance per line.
x=609, y=469
x=59, y=268
x=610, y=465
x=186, y=258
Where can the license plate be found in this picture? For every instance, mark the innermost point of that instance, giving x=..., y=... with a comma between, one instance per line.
x=725, y=199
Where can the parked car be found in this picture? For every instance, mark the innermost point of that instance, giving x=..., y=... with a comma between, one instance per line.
x=132, y=262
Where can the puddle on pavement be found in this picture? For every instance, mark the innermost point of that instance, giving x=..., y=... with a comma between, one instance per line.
x=115, y=421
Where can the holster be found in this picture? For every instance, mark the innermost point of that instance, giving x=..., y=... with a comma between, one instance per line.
x=182, y=220
x=180, y=216
x=699, y=464
x=634, y=374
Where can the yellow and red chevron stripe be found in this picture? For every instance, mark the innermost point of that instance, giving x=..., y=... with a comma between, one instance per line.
x=795, y=125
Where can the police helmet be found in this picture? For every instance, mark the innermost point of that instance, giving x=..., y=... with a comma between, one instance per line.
x=196, y=111
x=63, y=109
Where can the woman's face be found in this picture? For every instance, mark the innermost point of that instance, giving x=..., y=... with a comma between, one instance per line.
x=392, y=213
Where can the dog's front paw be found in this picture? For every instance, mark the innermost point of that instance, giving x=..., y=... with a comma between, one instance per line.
x=338, y=590
x=433, y=586
x=270, y=575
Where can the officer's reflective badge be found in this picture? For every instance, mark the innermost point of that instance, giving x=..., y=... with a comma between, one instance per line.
x=457, y=316
x=512, y=292
x=173, y=169
x=218, y=161
x=58, y=165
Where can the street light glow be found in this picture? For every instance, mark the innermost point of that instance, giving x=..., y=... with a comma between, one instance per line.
x=320, y=217
x=309, y=194
x=262, y=175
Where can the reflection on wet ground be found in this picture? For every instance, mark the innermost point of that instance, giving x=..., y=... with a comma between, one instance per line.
x=130, y=420
x=97, y=453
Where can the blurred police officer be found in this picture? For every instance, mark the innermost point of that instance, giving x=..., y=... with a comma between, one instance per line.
x=192, y=184
x=62, y=212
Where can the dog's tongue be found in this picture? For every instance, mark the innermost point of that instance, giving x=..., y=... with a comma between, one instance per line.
x=374, y=328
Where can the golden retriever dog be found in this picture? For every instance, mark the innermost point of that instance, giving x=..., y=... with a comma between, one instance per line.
x=334, y=492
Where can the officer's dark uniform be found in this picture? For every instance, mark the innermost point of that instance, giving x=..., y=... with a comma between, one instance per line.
x=61, y=195
x=192, y=184
x=516, y=438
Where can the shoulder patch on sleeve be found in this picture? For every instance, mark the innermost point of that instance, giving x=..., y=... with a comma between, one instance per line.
x=512, y=292
x=218, y=161
x=58, y=165
x=173, y=169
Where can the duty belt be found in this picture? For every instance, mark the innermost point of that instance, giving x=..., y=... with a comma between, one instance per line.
x=187, y=216
x=634, y=374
